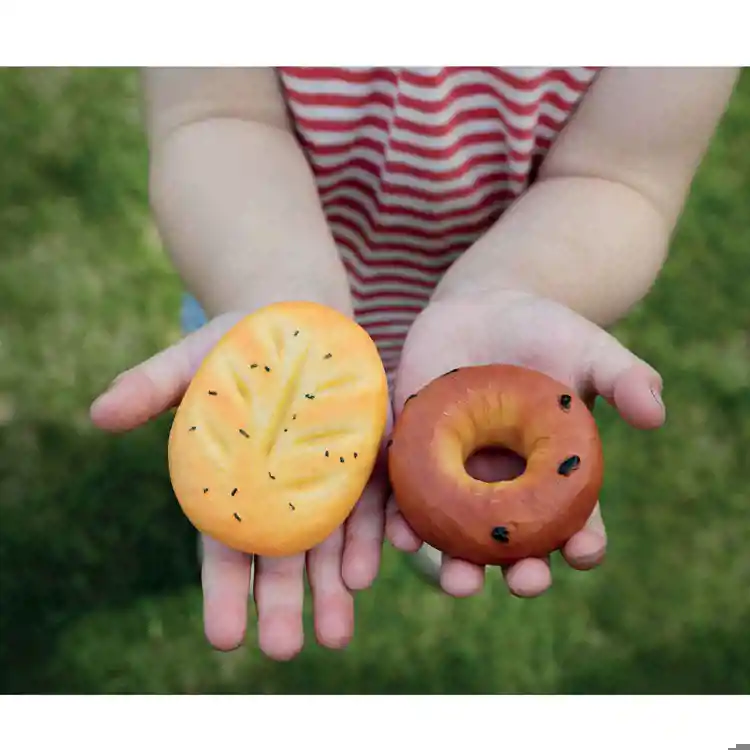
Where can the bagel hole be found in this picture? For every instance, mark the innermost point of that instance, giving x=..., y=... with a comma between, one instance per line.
x=495, y=464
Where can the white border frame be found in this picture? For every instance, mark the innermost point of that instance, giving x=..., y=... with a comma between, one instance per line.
x=454, y=723
x=329, y=32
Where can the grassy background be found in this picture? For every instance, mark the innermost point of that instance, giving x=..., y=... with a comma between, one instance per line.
x=98, y=579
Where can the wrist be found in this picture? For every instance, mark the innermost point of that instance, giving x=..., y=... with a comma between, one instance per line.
x=457, y=301
x=480, y=281
x=594, y=246
x=333, y=292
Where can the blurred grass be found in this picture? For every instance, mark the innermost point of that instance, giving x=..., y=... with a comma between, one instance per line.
x=98, y=579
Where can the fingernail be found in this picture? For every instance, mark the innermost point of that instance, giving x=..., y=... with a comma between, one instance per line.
x=116, y=380
x=107, y=390
x=114, y=383
x=657, y=397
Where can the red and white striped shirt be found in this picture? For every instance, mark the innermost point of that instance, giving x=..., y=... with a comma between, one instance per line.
x=414, y=164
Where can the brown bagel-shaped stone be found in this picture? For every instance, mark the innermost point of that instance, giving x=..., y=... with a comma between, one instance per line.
x=495, y=523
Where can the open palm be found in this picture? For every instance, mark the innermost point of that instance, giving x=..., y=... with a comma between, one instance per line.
x=521, y=329
x=348, y=560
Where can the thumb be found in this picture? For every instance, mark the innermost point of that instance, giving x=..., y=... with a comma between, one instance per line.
x=145, y=391
x=628, y=383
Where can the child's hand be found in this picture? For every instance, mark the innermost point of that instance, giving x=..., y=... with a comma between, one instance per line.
x=347, y=560
x=521, y=329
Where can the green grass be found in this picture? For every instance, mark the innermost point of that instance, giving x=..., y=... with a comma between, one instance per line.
x=98, y=578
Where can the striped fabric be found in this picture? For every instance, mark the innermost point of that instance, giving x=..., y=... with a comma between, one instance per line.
x=414, y=164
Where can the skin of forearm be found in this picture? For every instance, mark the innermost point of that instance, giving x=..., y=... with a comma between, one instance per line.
x=593, y=245
x=592, y=233
x=238, y=212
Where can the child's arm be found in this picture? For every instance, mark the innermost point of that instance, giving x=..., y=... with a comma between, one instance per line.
x=232, y=194
x=589, y=238
x=592, y=233
x=237, y=208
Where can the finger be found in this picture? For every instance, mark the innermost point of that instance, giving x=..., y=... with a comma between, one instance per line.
x=397, y=530
x=333, y=605
x=627, y=382
x=528, y=578
x=586, y=549
x=460, y=578
x=225, y=575
x=279, y=593
x=637, y=396
x=363, y=539
x=365, y=527
x=158, y=384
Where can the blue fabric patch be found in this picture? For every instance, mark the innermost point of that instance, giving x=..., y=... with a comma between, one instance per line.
x=192, y=316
